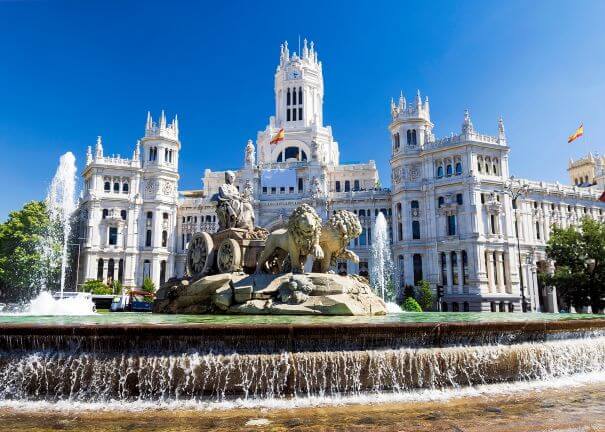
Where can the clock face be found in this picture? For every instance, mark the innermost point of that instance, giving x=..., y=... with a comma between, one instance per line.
x=294, y=74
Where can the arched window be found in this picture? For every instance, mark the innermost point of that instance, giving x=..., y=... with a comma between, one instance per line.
x=466, y=307
x=444, y=306
x=288, y=100
x=414, y=204
x=162, y=272
x=479, y=164
x=107, y=186
x=396, y=142
x=486, y=167
x=455, y=307
x=291, y=153
x=294, y=97
x=303, y=155
x=300, y=98
x=123, y=214
x=451, y=225
x=415, y=230
x=121, y=271
x=116, y=187
x=417, y=260
x=502, y=307
x=146, y=268
x=440, y=201
x=100, y=264
x=448, y=170
x=164, y=238
x=409, y=136
x=125, y=187
x=148, y=238
x=105, y=213
x=538, y=230
x=464, y=268
x=458, y=168
x=454, y=262
x=414, y=142
x=110, y=271
x=347, y=185
x=440, y=171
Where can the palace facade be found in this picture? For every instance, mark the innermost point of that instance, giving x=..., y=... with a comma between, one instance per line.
x=452, y=219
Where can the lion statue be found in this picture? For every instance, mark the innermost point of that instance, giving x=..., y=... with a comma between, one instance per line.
x=340, y=229
x=299, y=239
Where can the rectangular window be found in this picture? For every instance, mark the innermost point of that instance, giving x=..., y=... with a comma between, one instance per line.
x=337, y=186
x=294, y=114
x=291, y=190
x=399, y=231
x=355, y=185
x=347, y=185
x=451, y=225
x=265, y=189
x=273, y=190
x=415, y=230
x=300, y=185
x=282, y=190
x=148, y=238
x=113, y=235
x=459, y=199
x=300, y=117
x=288, y=114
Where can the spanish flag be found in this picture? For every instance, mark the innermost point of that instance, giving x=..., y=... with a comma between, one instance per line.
x=279, y=136
x=577, y=134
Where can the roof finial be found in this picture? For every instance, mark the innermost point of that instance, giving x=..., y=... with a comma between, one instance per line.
x=99, y=147
x=149, y=124
x=501, y=132
x=163, y=120
x=467, y=125
x=88, y=155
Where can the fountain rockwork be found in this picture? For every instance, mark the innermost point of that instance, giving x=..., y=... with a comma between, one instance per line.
x=243, y=269
x=214, y=363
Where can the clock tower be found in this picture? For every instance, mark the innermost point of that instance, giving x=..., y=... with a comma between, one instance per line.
x=299, y=88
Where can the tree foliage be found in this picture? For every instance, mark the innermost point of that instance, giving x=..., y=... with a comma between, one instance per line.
x=148, y=285
x=94, y=286
x=27, y=264
x=425, y=296
x=411, y=305
x=579, y=255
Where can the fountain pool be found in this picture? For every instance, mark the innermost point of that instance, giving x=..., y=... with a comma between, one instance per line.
x=222, y=361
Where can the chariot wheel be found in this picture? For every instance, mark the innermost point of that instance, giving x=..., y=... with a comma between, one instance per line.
x=200, y=255
x=229, y=256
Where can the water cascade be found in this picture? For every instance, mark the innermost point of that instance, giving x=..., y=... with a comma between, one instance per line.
x=176, y=365
x=381, y=262
x=61, y=204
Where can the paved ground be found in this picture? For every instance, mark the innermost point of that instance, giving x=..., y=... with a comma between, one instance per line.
x=572, y=409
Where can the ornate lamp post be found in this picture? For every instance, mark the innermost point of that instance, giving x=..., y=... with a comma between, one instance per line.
x=515, y=190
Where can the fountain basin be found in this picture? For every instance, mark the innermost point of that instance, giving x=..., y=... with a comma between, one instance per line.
x=216, y=362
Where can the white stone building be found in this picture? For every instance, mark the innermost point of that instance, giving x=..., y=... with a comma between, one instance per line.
x=452, y=222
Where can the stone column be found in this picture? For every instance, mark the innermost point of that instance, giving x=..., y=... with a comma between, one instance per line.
x=507, y=272
x=490, y=270
x=500, y=271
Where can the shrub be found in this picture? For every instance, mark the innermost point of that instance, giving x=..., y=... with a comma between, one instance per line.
x=426, y=298
x=411, y=305
x=94, y=286
x=148, y=285
x=409, y=291
x=117, y=287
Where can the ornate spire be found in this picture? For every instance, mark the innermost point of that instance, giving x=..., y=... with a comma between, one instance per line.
x=501, y=132
x=467, y=125
x=99, y=147
x=402, y=101
x=137, y=151
x=175, y=123
x=418, y=98
x=163, y=120
x=305, y=51
x=88, y=155
x=149, y=123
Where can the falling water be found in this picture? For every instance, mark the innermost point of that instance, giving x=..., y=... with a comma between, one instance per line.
x=61, y=204
x=381, y=263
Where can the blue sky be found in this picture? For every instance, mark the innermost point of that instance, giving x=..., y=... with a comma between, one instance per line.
x=73, y=70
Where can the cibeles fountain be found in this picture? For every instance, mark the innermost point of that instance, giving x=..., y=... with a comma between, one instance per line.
x=243, y=269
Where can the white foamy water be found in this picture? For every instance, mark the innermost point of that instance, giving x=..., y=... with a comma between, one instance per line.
x=425, y=395
x=393, y=308
x=61, y=204
x=381, y=262
x=46, y=304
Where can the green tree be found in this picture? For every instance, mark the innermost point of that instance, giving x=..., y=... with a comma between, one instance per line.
x=117, y=287
x=26, y=262
x=148, y=285
x=411, y=305
x=579, y=255
x=425, y=296
x=94, y=286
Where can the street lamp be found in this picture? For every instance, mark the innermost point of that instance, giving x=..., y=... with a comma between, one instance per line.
x=515, y=190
